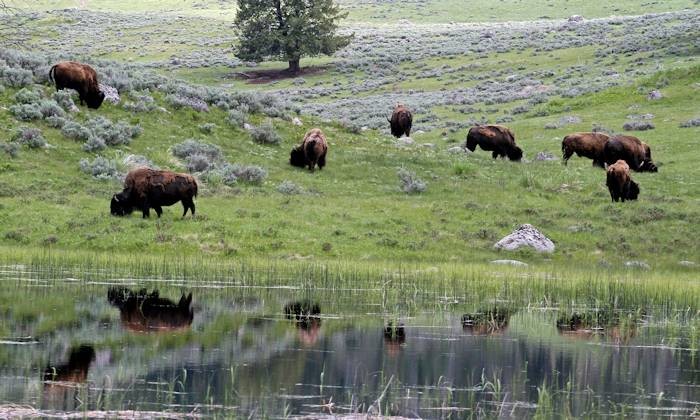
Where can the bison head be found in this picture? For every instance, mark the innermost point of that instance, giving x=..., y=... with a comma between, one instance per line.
x=297, y=157
x=515, y=153
x=94, y=100
x=633, y=192
x=648, y=166
x=471, y=143
x=120, y=205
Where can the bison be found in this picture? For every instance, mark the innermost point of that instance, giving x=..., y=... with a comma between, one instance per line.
x=635, y=152
x=80, y=77
x=590, y=145
x=146, y=189
x=311, y=152
x=148, y=312
x=401, y=121
x=496, y=138
x=620, y=184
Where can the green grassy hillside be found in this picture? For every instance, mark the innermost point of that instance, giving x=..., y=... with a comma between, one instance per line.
x=354, y=209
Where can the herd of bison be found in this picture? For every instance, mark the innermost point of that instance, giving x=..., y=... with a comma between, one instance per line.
x=146, y=189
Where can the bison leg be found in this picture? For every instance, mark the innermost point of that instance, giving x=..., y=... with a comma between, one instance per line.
x=598, y=163
x=146, y=210
x=188, y=204
x=321, y=161
x=159, y=210
x=494, y=154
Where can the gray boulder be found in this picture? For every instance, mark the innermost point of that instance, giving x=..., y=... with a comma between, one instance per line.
x=526, y=235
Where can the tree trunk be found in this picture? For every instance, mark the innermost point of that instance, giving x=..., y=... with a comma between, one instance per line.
x=294, y=66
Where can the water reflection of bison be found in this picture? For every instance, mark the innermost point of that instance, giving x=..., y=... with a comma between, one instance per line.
x=488, y=322
x=305, y=315
x=76, y=369
x=61, y=381
x=147, y=312
x=604, y=324
x=394, y=337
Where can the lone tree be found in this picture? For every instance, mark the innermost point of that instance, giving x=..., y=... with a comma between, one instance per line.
x=288, y=30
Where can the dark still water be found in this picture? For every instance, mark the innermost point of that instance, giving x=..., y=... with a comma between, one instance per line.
x=144, y=349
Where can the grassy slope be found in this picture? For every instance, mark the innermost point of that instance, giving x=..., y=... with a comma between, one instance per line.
x=379, y=12
x=355, y=204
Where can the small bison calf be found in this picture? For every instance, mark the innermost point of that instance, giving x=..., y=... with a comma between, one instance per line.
x=620, y=183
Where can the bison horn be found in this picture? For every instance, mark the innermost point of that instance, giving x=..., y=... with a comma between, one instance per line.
x=115, y=198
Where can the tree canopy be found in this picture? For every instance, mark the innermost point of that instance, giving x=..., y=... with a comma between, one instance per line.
x=288, y=30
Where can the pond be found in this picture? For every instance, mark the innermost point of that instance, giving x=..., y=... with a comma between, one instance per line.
x=214, y=349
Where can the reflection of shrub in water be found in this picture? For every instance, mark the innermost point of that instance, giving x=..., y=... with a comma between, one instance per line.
x=487, y=322
x=76, y=370
x=145, y=312
x=604, y=322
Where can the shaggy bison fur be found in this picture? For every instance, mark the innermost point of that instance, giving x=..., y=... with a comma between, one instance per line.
x=401, y=121
x=80, y=77
x=620, y=184
x=494, y=138
x=311, y=152
x=146, y=189
x=590, y=145
x=636, y=153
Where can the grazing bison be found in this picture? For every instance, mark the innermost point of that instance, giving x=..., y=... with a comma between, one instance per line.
x=620, y=184
x=80, y=77
x=311, y=152
x=146, y=188
x=401, y=121
x=635, y=152
x=148, y=312
x=495, y=138
x=590, y=145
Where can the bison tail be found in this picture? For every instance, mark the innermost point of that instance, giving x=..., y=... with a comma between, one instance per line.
x=52, y=71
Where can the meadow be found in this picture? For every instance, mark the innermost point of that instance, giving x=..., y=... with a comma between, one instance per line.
x=392, y=242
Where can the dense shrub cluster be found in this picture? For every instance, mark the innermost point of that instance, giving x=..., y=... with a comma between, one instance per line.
x=143, y=102
x=410, y=183
x=638, y=126
x=207, y=160
x=30, y=137
x=192, y=147
x=11, y=149
x=265, y=134
x=690, y=123
x=100, y=168
x=289, y=188
x=237, y=118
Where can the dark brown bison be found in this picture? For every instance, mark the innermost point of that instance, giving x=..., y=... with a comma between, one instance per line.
x=590, y=145
x=80, y=77
x=494, y=138
x=401, y=121
x=311, y=152
x=620, y=184
x=146, y=189
x=76, y=370
x=635, y=152
x=148, y=312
